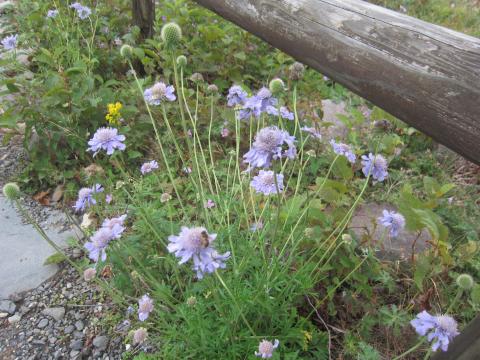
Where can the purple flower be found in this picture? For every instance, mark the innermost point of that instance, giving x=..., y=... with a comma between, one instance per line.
x=149, y=167
x=256, y=105
x=10, y=42
x=108, y=198
x=139, y=336
x=106, y=138
x=196, y=243
x=52, y=13
x=98, y=243
x=376, y=166
x=284, y=112
x=264, y=182
x=343, y=149
x=145, y=307
x=257, y=226
x=85, y=197
x=115, y=225
x=83, y=12
x=265, y=99
x=441, y=329
x=236, y=96
x=269, y=145
x=209, y=204
x=266, y=348
x=225, y=132
x=392, y=220
x=312, y=131
x=158, y=93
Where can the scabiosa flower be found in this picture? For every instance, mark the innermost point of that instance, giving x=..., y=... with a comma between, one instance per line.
x=52, y=13
x=269, y=145
x=312, y=131
x=115, y=225
x=376, y=165
x=165, y=197
x=209, y=204
x=108, y=198
x=225, y=132
x=264, y=182
x=196, y=243
x=98, y=244
x=85, y=197
x=265, y=99
x=139, y=336
x=251, y=107
x=343, y=149
x=158, y=93
x=10, y=42
x=145, y=307
x=266, y=348
x=236, y=96
x=83, y=12
x=393, y=220
x=284, y=112
x=149, y=167
x=441, y=329
x=108, y=139
x=257, y=226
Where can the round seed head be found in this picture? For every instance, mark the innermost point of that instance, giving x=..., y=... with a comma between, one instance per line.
x=276, y=86
x=171, y=35
x=212, y=89
x=182, y=61
x=196, y=77
x=192, y=301
x=296, y=71
x=11, y=191
x=126, y=51
x=465, y=281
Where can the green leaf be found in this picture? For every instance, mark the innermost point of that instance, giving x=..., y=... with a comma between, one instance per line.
x=240, y=55
x=342, y=168
x=56, y=258
x=133, y=154
x=422, y=268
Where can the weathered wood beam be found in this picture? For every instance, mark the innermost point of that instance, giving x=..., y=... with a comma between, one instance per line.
x=426, y=75
x=144, y=16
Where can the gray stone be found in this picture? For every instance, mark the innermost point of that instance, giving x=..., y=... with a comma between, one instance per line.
x=7, y=306
x=79, y=325
x=42, y=323
x=14, y=319
x=69, y=329
x=76, y=345
x=23, y=251
x=100, y=342
x=38, y=342
x=78, y=335
x=55, y=312
x=364, y=225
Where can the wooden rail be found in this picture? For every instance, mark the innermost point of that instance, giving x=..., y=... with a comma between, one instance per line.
x=426, y=75
x=144, y=16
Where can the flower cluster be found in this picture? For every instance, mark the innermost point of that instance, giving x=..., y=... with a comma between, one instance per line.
x=257, y=104
x=196, y=244
x=113, y=116
x=236, y=96
x=440, y=329
x=83, y=12
x=269, y=145
x=10, y=42
x=375, y=165
x=85, y=197
x=111, y=229
x=52, y=13
x=148, y=167
x=159, y=92
x=343, y=149
x=392, y=220
x=266, y=348
x=145, y=307
x=108, y=139
x=265, y=183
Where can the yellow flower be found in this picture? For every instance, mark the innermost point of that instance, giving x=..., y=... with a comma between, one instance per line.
x=307, y=337
x=113, y=116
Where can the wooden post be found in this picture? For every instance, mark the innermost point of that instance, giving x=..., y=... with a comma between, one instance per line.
x=465, y=346
x=426, y=75
x=144, y=16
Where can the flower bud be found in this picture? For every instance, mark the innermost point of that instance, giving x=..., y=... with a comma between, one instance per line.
x=196, y=77
x=126, y=51
x=182, y=61
x=212, y=89
x=89, y=274
x=140, y=335
x=296, y=71
x=465, y=281
x=171, y=35
x=11, y=191
x=276, y=86
x=165, y=197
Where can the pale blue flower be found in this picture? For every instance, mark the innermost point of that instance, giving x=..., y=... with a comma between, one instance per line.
x=284, y=112
x=343, y=149
x=145, y=307
x=269, y=145
x=258, y=104
x=159, y=92
x=10, y=42
x=393, y=220
x=266, y=348
x=115, y=225
x=209, y=204
x=236, y=96
x=375, y=165
x=83, y=12
x=85, y=197
x=312, y=131
x=52, y=13
x=256, y=226
x=108, y=139
x=440, y=329
x=264, y=182
x=98, y=244
x=148, y=167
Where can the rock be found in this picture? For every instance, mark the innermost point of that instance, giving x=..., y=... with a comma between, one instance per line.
x=78, y=335
x=100, y=342
x=3, y=315
x=55, y=312
x=42, y=323
x=7, y=306
x=38, y=342
x=69, y=329
x=74, y=354
x=76, y=345
x=79, y=325
x=14, y=319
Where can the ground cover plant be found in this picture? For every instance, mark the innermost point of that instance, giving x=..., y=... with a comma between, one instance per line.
x=217, y=205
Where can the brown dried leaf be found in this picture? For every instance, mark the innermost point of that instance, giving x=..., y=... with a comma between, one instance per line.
x=42, y=197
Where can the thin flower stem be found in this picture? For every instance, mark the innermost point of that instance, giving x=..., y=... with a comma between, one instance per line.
x=412, y=349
